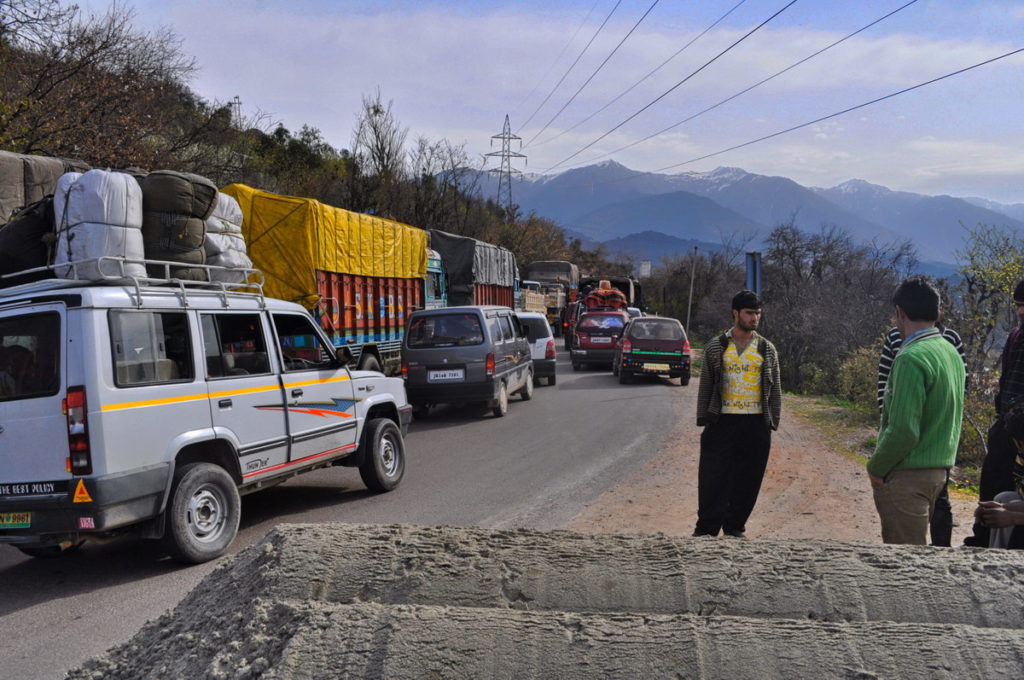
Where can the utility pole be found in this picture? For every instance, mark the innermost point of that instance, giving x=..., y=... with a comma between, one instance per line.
x=689, y=301
x=506, y=170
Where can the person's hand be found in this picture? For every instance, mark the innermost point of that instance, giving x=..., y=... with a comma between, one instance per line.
x=995, y=515
x=876, y=481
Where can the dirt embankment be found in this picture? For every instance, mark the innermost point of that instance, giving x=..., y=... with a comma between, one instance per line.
x=318, y=601
x=810, y=489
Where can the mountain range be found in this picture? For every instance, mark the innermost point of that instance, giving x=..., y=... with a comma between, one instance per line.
x=648, y=215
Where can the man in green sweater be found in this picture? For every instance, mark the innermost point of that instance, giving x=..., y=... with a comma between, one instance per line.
x=921, y=414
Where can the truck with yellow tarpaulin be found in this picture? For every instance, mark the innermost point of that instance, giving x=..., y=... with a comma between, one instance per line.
x=361, y=276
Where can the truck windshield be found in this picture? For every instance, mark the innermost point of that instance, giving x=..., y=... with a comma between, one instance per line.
x=444, y=330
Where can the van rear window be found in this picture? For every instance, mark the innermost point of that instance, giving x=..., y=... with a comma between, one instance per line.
x=29, y=356
x=602, y=321
x=656, y=330
x=444, y=330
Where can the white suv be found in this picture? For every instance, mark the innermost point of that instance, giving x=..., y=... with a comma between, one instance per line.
x=148, y=408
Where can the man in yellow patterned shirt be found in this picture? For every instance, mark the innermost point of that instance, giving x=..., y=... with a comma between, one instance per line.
x=738, y=403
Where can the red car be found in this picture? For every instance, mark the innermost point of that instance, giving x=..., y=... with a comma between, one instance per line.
x=653, y=345
x=594, y=337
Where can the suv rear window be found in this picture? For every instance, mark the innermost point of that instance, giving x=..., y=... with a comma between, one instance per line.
x=656, y=330
x=602, y=321
x=29, y=356
x=444, y=330
x=537, y=328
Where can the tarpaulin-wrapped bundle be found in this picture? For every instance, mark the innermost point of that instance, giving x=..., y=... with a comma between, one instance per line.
x=605, y=297
x=98, y=214
x=26, y=242
x=472, y=263
x=27, y=179
x=225, y=245
x=290, y=239
x=175, y=208
x=12, y=184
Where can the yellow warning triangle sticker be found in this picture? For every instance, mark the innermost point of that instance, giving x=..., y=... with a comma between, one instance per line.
x=81, y=493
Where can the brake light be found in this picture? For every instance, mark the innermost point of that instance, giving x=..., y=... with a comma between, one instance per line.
x=79, y=460
x=549, y=351
x=627, y=345
x=489, y=364
x=686, y=346
x=582, y=337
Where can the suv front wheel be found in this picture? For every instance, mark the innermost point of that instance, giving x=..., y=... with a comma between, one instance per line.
x=203, y=513
x=384, y=463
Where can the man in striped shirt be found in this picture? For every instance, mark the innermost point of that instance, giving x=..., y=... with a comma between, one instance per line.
x=941, y=525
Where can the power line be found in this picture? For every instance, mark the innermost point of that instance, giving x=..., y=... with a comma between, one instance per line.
x=559, y=57
x=596, y=71
x=572, y=66
x=840, y=113
x=649, y=74
x=748, y=89
x=674, y=87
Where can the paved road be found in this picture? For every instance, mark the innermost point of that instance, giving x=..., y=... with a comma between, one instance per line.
x=537, y=467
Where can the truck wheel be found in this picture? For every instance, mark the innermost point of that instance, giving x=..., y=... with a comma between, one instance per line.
x=526, y=393
x=49, y=551
x=501, y=408
x=369, y=363
x=384, y=464
x=203, y=513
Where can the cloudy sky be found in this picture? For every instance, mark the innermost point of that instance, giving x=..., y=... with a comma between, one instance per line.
x=454, y=69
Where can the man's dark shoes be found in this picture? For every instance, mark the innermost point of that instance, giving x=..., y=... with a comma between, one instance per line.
x=735, y=533
x=701, y=532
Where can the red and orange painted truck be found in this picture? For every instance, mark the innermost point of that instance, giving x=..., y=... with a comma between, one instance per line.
x=361, y=276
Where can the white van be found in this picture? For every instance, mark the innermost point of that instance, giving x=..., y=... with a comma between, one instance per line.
x=131, y=406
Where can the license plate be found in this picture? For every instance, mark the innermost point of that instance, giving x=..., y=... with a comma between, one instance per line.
x=451, y=375
x=655, y=367
x=15, y=520
x=599, y=340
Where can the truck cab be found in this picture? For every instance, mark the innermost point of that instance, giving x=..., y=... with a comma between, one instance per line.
x=435, y=283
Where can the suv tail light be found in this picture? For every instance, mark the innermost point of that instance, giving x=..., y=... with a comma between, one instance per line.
x=489, y=364
x=549, y=351
x=405, y=368
x=627, y=345
x=79, y=456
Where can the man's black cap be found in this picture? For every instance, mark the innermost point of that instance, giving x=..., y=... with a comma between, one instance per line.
x=746, y=299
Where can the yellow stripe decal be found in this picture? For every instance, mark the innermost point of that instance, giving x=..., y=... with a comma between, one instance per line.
x=216, y=395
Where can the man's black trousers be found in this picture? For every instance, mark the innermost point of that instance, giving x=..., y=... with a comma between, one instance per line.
x=733, y=456
x=996, y=475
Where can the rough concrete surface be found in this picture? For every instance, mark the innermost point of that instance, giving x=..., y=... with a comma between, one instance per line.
x=321, y=601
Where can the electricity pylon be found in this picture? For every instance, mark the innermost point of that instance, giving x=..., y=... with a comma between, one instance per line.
x=506, y=170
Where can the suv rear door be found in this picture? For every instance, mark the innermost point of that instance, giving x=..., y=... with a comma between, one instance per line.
x=245, y=393
x=33, y=427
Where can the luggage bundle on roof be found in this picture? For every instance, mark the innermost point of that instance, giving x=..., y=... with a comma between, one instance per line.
x=225, y=245
x=25, y=179
x=175, y=208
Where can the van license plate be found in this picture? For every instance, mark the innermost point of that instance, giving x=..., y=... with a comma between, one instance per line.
x=15, y=520
x=656, y=367
x=600, y=340
x=451, y=375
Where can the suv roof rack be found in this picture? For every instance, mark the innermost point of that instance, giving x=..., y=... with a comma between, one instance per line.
x=111, y=270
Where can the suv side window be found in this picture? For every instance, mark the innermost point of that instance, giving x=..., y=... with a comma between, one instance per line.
x=29, y=356
x=495, y=328
x=301, y=346
x=234, y=345
x=150, y=347
x=507, y=327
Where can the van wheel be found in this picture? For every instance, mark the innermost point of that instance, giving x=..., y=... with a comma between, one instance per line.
x=501, y=408
x=526, y=393
x=49, y=551
x=203, y=513
x=625, y=377
x=420, y=411
x=551, y=380
x=615, y=367
x=384, y=464
x=369, y=363
x=575, y=366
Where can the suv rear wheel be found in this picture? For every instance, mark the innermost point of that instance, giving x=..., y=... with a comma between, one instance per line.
x=203, y=513
x=384, y=464
x=501, y=408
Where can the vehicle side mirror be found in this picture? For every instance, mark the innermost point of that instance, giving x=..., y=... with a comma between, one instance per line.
x=344, y=356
